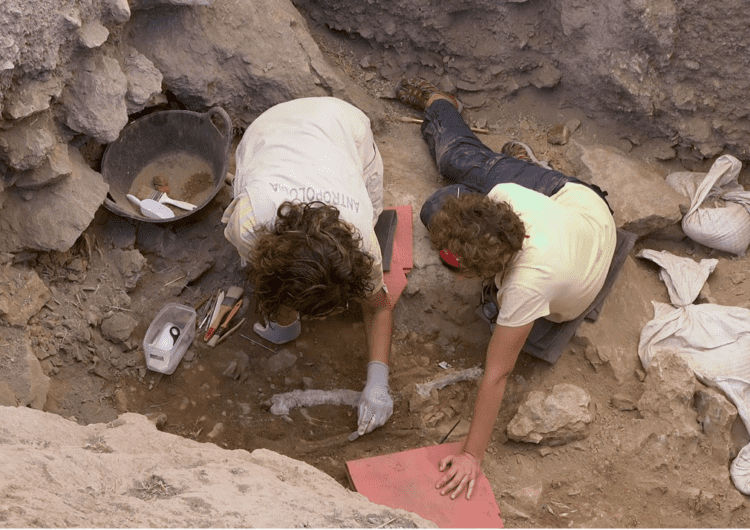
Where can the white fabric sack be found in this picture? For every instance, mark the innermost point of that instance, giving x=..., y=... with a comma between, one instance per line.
x=718, y=216
x=713, y=339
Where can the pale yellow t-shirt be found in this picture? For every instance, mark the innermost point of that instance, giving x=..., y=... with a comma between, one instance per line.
x=564, y=260
x=308, y=149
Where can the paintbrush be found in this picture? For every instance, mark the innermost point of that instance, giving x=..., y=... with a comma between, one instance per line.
x=234, y=294
x=230, y=331
x=214, y=313
x=224, y=325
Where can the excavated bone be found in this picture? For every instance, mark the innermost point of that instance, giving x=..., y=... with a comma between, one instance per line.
x=282, y=403
x=469, y=374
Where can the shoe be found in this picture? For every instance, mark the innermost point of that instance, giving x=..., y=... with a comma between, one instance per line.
x=417, y=92
x=522, y=151
x=278, y=334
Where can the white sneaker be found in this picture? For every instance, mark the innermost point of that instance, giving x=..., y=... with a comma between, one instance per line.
x=278, y=334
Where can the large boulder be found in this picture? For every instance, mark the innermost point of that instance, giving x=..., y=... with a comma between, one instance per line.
x=95, y=99
x=642, y=200
x=53, y=217
x=128, y=474
x=242, y=56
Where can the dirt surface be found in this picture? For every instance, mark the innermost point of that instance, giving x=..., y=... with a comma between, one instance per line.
x=582, y=484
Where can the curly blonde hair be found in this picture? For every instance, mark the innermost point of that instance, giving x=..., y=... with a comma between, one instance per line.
x=308, y=260
x=483, y=234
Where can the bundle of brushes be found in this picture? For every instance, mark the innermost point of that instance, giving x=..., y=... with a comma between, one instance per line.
x=219, y=315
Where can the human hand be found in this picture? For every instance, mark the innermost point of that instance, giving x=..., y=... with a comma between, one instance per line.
x=375, y=403
x=460, y=471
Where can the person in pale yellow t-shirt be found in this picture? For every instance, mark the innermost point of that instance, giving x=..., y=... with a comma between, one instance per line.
x=544, y=238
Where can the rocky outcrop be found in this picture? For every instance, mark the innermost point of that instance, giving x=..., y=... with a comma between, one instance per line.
x=667, y=66
x=242, y=56
x=73, y=72
x=54, y=216
x=127, y=474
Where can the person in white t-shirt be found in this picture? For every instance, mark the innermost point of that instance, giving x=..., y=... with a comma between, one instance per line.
x=546, y=239
x=308, y=190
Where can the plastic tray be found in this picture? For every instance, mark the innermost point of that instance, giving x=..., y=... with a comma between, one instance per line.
x=165, y=350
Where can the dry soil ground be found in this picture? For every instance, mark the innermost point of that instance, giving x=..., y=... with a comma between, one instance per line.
x=583, y=484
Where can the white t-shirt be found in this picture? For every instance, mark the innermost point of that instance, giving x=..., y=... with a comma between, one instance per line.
x=309, y=149
x=565, y=257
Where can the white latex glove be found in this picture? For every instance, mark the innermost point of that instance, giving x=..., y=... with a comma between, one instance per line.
x=375, y=403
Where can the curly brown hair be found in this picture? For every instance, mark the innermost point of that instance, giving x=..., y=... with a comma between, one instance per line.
x=483, y=234
x=308, y=260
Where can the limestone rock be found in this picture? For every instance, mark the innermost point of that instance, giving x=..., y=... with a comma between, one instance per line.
x=116, y=474
x=242, y=56
x=560, y=133
x=716, y=414
x=546, y=76
x=28, y=142
x=118, y=10
x=93, y=34
x=144, y=81
x=281, y=361
x=57, y=166
x=558, y=417
x=118, y=327
x=613, y=338
x=31, y=97
x=642, y=200
x=20, y=372
x=668, y=396
x=56, y=215
x=22, y=295
x=130, y=263
x=95, y=99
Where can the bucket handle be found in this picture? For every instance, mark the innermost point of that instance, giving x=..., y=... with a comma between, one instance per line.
x=226, y=123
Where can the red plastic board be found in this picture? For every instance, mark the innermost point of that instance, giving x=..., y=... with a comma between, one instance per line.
x=407, y=480
x=402, y=261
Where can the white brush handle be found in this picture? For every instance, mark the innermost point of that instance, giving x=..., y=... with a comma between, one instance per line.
x=174, y=202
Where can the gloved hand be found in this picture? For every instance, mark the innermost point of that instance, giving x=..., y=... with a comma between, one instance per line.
x=375, y=403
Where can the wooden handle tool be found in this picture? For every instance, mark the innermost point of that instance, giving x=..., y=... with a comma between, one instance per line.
x=225, y=324
x=234, y=294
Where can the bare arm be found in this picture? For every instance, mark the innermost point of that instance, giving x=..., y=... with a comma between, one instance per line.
x=378, y=318
x=502, y=353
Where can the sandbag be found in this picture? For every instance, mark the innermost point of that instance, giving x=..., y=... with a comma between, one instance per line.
x=718, y=216
x=713, y=339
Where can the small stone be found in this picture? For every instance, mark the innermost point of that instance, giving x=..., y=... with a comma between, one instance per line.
x=558, y=135
x=622, y=402
x=281, y=361
x=158, y=419
x=121, y=401
x=216, y=431
x=118, y=327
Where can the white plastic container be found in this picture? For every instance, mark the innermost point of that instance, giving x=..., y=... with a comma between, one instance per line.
x=168, y=337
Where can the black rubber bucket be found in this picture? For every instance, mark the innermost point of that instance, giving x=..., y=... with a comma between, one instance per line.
x=186, y=148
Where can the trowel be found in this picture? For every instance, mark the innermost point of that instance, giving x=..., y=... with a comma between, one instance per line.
x=151, y=208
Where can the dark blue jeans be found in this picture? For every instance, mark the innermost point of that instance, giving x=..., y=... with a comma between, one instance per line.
x=475, y=168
